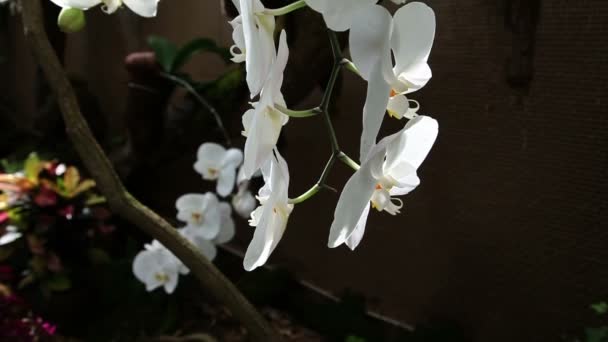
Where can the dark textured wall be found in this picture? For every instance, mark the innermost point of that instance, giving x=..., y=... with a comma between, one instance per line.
x=507, y=234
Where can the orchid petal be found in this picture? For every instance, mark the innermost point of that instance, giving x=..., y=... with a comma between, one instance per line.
x=259, y=46
x=232, y=158
x=239, y=41
x=227, y=231
x=278, y=68
x=415, y=142
x=210, y=157
x=244, y=202
x=237, y=4
x=339, y=14
x=262, y=138
x=353, y=202
x=171, y=284
x=373, y=111
x=399, y=107
x=110, y=6
x=271, y=218
x=267, y=235
x=144, y=8
x=201, y=213
x=80, y=4
x=156, y=266
x=406, y=185
x=205, y=246
x=225, y=183
x=412, y=41
x=11, y=234
x=355, y=237
x=369, y=41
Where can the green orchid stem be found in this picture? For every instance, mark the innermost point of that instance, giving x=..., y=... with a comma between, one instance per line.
x=286, y=9
x=346, y=160
x=203, y=102
x=319, y=185
x=308, y=194
x=350, y=66
x=323, y=108
x=326, y=101
x=298, y=113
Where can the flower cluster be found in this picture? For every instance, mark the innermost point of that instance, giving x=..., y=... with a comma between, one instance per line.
x=207, y=220
x=390, y=52
x=53, y=216
x=18, y=322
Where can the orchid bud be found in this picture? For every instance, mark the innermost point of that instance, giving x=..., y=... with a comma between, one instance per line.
x=71, y=20
x=244, y=202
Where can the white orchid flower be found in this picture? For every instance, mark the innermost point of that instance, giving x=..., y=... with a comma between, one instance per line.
x=206, y=247
x=270, y=218
x=215, y=163
x=390, y=170
x=227, y=229
x=144, y=8
x=253, y=35
x=339, y=14
x=243, y=201
x=156, y=266
x=262, y=124
x=409, y=35
x=10, y=235
x=201, y=213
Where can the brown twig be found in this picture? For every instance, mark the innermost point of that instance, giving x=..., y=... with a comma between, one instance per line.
x=112, y=188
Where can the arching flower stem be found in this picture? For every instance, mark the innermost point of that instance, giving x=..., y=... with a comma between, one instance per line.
x=285, y=9
x=323, y=109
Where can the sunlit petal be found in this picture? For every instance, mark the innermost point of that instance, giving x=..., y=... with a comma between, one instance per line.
x=412, y=40
x=369, y=40
x=373, y=111
x=144, y=8
x=415, y=141
x=80, y=4
x=271, y=217
x=339, y=14
x=264, y=132
x=353, y=201
x=355, y=237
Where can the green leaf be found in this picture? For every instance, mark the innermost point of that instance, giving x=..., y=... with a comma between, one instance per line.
x=165, y=51
x=225, y=85
x=600, y=308
x=196, y=46
x=98, y=256
x=596, y=334
x=27, y=280
x=32, y=167
x=58, y=282
x=353, y=338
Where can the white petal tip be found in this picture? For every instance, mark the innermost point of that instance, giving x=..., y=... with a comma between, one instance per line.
x=333, y=243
